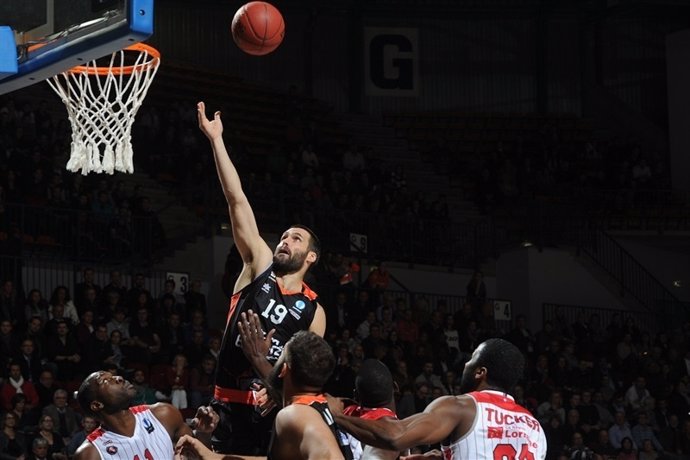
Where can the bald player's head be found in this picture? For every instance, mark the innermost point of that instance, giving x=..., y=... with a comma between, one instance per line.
x=374, y=384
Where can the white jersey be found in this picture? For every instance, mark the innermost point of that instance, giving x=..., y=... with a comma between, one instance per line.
x=150, y=440
x=502, y=430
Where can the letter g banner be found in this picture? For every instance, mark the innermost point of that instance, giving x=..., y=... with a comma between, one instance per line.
x=391, y=61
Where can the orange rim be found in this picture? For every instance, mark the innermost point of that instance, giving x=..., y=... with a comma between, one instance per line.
x=154, y=55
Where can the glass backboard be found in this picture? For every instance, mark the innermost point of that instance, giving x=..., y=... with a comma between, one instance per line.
x=51, y=36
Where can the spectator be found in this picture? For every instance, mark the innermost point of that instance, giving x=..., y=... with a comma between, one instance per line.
x=143, y=338
x=12, y=441
x=56, y=445
x=80, y=288
x=648, y=452
x=194, y=298
x=201, y=382
x=88, y=424
x=177, y=378
x=552, y=408
x=46, y=387
x=36, y=306
x=476, y=290
x=637, y=394
x=145, y=394
x=642, y=432
x=620, y=431
x=602, y=446
x=11, y=304
x=61, y=296
x=29, y=360
x=429, y=378
x=85, y=329
x=40, y=450
x=65, y=419
x=98, y=350
x=16, y=384
x=63, y=352
x=628, y=451
x=115, y=285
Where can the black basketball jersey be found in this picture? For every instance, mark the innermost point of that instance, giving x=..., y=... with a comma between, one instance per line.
x=320, y=404
x=286, y=312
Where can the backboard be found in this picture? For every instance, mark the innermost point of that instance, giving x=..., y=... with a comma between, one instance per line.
x=51, y=36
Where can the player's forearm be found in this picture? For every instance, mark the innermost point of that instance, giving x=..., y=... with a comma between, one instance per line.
x=261, y=365
x=377, y=433
x=227, y=173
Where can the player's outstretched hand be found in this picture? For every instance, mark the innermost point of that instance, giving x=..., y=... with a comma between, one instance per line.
x=255, y=344
x=205, y=420
x=213, y=129
x=190, y=448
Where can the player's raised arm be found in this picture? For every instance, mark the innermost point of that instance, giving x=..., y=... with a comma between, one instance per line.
x=435, y=424
x=253, y=249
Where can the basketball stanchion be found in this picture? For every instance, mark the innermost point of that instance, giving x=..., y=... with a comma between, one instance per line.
x=102, y=101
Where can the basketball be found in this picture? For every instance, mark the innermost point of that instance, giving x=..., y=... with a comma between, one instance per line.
x=258, y=28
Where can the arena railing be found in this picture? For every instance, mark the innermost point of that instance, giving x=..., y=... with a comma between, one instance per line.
x=564, y=315
x=46, y=274
x=73, y=234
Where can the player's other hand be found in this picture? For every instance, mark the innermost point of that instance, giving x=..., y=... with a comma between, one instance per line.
x=262, y=399
x=205, y=420
x=190, y=448
x=255, y=344
x=213, y=129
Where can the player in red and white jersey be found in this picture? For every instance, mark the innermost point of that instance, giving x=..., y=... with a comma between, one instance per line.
x=374, y=390
x=132, y=433
x=149, y=440
x=483, y=424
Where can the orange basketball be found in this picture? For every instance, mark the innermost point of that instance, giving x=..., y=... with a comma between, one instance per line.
x=258, y=28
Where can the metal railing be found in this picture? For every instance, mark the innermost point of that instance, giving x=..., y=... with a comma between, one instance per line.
x=634, y=279
x=47, y=274
x=73, y=234
x=569, y=314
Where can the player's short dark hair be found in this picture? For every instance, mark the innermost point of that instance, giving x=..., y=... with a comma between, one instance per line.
x=374, y=384
x=86, y=394
x=314, y=242
x=310, y=358
x=504, y=362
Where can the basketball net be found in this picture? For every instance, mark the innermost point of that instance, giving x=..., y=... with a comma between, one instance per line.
x=102, y=102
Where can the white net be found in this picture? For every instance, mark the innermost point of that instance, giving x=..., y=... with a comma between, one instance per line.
x=102, y=102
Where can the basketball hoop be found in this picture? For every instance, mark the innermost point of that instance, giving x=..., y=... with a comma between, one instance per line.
x=102, y=101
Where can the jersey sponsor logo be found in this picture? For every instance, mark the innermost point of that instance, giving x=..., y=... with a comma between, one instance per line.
x=112, y=450
x=148, y=426
x=108, y=442
x=503, y=418
x=495, y=432
x=266, y=288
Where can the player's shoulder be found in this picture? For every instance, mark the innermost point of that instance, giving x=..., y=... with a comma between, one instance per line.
x=165, y=412
x=297, y=415
x=87, y=451
x=452, y=404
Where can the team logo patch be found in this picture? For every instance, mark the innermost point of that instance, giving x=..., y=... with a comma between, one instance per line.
x=112, y=450
x=495, y=432
x=148, y=426
x=297, y=309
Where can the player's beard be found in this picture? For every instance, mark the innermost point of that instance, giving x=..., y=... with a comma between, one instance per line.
x=290, y=265
x=467, y=381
